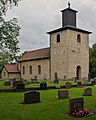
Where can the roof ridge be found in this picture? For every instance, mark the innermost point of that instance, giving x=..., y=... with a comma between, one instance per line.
x=38, y=49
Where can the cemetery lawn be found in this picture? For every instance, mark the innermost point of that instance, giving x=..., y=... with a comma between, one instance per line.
x=50, y=108
x=61, y=83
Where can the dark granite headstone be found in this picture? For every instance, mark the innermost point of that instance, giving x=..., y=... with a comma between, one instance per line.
x=79, y=83
x=56, y=81
x=20, y=86
x=87, y=92
x=68, y=85
x=76, y=105
x=63, y=94
x=7, y=83
x=95, y=81
x=17, y=82
x=43, y=85
x=92, y=82
x=31, y=97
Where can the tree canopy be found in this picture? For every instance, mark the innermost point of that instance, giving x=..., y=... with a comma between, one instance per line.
x=5, y=4
x=9, y=32
x=92, y=61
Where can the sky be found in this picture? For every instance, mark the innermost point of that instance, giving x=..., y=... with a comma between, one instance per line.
x=37, y=17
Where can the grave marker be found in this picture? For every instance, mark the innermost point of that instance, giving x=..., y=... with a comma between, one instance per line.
x=63, y=94
x=87, y=92
x=75, y=105
x=31, y=97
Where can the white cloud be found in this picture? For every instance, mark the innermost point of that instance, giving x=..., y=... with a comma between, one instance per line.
x=36, y=17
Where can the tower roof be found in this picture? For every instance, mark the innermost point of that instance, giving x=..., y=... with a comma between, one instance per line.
x=70, y=28
x=69, y=8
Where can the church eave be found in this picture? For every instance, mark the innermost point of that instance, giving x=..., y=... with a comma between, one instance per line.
x=69, y=27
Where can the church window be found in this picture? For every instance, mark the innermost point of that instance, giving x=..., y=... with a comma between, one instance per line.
x=30, y=69
x=58, y=38
x=78, y=38
x=39, y=69
x=23, y=70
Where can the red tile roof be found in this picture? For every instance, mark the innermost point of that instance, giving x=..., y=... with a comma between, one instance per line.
x=36, y=54
x=11, y=68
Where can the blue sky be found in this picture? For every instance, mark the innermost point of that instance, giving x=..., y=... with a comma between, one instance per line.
x=37, y=17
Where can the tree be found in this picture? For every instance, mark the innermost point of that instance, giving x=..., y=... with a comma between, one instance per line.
x=9, y=31
x=5, y=4
x=92, y=61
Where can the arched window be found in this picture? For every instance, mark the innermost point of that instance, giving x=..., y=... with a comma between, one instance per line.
x=78, y=38
x=78, y=72
x=58, y=38
x=30, y=69
x=39, y=69
x=23, y=70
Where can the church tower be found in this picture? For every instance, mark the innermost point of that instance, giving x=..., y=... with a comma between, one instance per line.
x=69, y=49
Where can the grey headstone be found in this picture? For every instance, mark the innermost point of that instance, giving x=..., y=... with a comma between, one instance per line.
x=31, y=97
x=63, y=94
x=26, y=82
x=86, y=82
x=88, y=92
x=75, y=105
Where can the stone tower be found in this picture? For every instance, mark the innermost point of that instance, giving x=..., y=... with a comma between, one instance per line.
x=69, y=49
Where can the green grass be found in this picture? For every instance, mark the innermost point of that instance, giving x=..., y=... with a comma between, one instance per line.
x=50, y=108
x=36, y=85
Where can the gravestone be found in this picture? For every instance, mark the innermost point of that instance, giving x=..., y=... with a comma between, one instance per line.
x=79, y=83
x=34, y=81
x=68, y=85
x=26, y=82
x=12, y=80
x=76, y=108
x=20, y=86
x=17, y=82
x=63, y=94
x=86, y=82
x=56, y=81
x=43, y=85
x=7, y=83
x=31, y=97
x=93, y=83
x=75, y=104
x=44, y=77
x=87, y=92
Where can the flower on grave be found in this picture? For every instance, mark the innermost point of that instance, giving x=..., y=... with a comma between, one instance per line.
x=81, y=113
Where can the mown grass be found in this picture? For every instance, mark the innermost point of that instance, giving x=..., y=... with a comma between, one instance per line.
x=36, y=85
x=50, y=108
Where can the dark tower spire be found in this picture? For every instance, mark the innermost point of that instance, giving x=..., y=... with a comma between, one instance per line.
x=69, y=16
